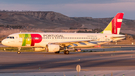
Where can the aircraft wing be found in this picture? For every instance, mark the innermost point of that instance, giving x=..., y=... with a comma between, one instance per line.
x=80, y=42
x=66, y=43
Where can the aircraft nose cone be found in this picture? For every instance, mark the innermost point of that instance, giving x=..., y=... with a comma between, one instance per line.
x=4, y=42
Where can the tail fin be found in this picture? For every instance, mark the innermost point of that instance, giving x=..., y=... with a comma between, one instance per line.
x=115, y=25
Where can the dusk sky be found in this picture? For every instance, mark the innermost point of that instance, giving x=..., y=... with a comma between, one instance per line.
x=74, y=8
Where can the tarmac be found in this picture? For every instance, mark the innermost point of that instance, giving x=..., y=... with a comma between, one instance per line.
x=116, y=61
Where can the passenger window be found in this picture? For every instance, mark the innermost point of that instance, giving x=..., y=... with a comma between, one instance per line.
x=10, y=37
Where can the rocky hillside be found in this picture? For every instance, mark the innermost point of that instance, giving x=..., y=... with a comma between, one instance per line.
x=39, y=20
x=89, y=22
x=128, y=26
x=36, y=20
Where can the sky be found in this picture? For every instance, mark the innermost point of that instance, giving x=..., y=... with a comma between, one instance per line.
x=74, y=8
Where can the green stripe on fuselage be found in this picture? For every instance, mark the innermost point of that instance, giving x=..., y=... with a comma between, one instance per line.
x=26, y=39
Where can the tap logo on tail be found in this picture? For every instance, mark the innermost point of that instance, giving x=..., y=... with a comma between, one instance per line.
x=115, y=25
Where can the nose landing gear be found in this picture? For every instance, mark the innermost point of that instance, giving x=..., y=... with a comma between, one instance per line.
x=19, y=52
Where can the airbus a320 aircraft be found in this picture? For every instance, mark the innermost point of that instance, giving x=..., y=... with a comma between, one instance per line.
x=53, y=42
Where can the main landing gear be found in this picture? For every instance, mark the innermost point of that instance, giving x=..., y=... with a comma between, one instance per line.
x=66, y=52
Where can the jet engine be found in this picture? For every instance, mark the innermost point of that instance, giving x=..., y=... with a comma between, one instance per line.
x=53, y=48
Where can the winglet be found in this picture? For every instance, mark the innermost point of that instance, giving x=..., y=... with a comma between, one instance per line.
x=115, y=25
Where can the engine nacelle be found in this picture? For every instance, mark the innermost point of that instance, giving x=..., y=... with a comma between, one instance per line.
x=53, y=48
x=39, y=49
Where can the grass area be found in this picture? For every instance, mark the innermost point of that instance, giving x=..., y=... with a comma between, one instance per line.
x=15, y=49
x=24, y=49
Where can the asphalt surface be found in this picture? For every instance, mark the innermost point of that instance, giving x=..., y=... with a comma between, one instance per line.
x=11, y=62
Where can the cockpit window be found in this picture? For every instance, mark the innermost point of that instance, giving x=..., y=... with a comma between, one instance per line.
x=10, y=37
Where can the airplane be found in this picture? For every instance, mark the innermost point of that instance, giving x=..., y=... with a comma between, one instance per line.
x=54, y=42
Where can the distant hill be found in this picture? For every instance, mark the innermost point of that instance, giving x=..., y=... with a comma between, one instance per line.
x=37, y=19
x=40, y=20
x=128, y=26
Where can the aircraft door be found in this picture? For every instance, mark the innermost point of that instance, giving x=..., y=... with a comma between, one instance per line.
x=20, y=39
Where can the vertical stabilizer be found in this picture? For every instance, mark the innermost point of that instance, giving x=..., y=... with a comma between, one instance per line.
x=115, y=25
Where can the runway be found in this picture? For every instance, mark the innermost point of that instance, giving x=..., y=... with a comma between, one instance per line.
x=11, y=62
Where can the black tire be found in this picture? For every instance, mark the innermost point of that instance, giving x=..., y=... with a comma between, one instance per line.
x=66, y=52
x=18, y=52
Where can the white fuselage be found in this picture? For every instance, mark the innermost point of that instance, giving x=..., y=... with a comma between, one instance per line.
x=23, y=40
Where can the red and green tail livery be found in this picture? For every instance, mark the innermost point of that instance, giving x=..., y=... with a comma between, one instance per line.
x=115, y=25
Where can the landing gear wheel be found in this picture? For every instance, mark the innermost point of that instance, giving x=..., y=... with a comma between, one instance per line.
x=18, y=52
x=66, y=52
x=57, y=52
